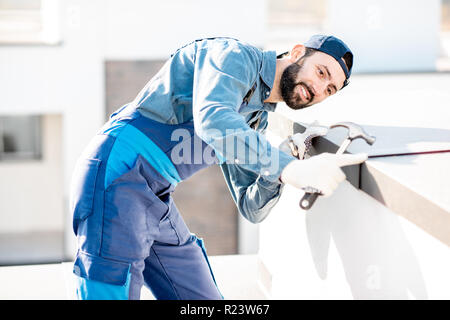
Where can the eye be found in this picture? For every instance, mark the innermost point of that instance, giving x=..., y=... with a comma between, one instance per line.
x=329, y=91
x=320, y=72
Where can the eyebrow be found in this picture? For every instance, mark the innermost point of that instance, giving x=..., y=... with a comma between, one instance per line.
x=329, y=76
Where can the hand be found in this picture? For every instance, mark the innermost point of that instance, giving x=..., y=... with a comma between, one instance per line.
x=299, y=143
x=322, y=172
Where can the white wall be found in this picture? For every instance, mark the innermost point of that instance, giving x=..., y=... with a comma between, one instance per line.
x=349, y=246
x=31, y=191
x=139, y=29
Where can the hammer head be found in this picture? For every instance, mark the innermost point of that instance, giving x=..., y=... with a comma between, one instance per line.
x=355, y=131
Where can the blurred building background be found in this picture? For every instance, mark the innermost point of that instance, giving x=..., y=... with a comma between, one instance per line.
x=66, y=65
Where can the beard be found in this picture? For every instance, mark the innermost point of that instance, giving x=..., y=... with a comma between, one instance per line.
x=288, y=85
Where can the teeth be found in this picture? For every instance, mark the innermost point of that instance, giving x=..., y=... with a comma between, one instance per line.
x=304, y=92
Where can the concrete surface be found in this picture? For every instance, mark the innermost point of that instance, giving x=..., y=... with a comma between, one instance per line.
x=235, y=276
x=349, y=246
x=31, y=248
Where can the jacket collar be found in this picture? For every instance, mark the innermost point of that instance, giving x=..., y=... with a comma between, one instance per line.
x=267, y=75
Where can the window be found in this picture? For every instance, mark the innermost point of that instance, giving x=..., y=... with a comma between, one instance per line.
x=20, y=137
x=29, y=22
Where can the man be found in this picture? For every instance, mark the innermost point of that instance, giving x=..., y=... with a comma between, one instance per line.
x=208, y=104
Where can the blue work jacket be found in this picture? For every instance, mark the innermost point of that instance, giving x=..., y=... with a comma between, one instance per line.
x=220, y=84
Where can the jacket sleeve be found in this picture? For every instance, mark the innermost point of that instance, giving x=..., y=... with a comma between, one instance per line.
x=254, y=195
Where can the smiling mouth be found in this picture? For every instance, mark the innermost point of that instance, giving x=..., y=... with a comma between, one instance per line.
x=304, y=93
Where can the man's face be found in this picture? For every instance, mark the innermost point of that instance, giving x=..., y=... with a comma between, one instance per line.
x=310, y=80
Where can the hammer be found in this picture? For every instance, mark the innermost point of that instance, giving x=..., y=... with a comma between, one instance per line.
x=354, y=132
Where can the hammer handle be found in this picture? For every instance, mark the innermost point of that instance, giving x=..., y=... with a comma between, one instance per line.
x=308, y=200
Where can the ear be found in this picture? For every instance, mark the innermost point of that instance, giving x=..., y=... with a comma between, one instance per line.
x=297, y=52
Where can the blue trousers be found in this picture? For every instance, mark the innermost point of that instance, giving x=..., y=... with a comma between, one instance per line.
x=129, y=231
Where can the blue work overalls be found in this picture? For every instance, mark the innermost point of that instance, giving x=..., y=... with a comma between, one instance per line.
x=129, y=230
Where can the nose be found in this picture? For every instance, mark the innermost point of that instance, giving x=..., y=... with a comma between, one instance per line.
x=319, y=88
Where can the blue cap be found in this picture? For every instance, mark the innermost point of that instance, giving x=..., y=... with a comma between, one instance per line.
x=334, y=47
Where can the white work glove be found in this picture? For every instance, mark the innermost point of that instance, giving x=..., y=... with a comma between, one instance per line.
x=299, y=143
x=322, y=172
